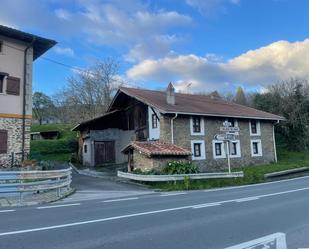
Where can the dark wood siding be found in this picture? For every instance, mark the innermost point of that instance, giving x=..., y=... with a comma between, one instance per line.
x=3, y=141
x=104, y=152
x=13, y=86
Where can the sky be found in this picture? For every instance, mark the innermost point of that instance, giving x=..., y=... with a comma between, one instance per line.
x=198, y=45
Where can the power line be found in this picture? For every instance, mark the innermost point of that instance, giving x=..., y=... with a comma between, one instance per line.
x=54, y=61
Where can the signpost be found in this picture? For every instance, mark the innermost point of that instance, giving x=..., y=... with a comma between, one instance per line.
x=230, y=135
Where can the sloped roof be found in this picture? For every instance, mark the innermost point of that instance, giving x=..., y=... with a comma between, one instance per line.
x=40, y=44
x=157, y=148
x=195, y=104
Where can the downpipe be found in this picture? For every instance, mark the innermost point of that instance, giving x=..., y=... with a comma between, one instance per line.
x=172, y=127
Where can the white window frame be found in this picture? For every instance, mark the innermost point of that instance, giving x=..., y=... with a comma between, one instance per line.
x=203, y=149
x=202, y=124
x=223, y=155
x=237, y=148
x=258, y=128
x=260, y=152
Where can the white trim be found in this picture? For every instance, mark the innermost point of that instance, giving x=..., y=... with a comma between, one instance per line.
x=258, y=128
x=238, y=148
x=260, y=152
x=235, y=121
x=223, y=153
x=202, y=124
x=274, y=143
x=203, y=150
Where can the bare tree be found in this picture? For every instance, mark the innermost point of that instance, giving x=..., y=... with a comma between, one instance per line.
x=89, y=92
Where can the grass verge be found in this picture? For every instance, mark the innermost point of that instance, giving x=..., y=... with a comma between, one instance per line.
x=54, y=150
x=252, y=174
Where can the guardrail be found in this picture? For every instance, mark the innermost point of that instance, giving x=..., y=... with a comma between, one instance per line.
x=286, y=172
x=178, y=177
x=34, y=181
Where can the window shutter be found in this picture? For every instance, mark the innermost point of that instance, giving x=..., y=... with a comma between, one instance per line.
x=13, y=86
x=3, y=141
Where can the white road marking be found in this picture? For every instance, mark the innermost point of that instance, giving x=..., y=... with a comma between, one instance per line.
x=247, y=199
x=138, y=214
x=57, y=206
x=123, y=199
x=7, y=210
x=254, y=185
x=207, y=205
x=172, y=194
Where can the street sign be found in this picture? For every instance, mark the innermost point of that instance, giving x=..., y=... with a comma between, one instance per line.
x=230, y=136
x=229, y=129
x=220, y=137
x=224, y=137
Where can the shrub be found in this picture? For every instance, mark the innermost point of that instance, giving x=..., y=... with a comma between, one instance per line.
x=178, y=167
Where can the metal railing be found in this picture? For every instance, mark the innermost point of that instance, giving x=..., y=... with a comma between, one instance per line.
x=178, y=177
x=34, y=181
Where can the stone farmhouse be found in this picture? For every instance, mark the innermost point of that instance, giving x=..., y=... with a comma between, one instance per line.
x=18, y=50
x=147, y=129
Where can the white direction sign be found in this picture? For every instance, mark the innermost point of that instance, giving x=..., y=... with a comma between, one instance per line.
x=229, y=129
x=220, y=137
x=223, y=137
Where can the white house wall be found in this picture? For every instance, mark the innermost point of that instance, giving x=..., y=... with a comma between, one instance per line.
x=154, y=133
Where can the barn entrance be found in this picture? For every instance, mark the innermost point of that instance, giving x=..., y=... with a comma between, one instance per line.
x=104, y=152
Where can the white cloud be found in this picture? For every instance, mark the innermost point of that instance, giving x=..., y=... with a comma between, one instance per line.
x=210, y=7
x=129, y=25
x=255, y=68
x=63, y=14
x=64, y=51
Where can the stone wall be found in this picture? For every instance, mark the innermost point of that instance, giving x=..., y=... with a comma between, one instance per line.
x=14, y=128
x=144, y=162
x=183, y=137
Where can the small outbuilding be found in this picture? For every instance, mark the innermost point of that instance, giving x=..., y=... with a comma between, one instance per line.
x=154, y=154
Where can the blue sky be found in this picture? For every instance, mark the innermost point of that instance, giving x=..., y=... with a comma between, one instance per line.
x=213, y=44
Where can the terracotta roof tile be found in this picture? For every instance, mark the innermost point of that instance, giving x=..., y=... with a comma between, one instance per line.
x=197, y=104
x=157, y=148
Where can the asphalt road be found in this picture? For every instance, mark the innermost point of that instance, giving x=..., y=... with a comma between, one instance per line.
x=182, y=220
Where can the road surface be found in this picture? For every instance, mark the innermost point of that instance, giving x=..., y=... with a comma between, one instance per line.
x=180, y=220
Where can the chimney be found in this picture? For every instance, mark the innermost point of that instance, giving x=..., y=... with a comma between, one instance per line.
x=170, y=94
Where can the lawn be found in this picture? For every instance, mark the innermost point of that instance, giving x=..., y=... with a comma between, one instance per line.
x=252, y=174
x=54, y=150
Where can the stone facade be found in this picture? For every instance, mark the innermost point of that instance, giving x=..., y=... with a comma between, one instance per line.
x=14, y=144
x=141, y=161
x=183, y=138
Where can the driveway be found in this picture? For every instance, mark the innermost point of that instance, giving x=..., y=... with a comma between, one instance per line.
x=91, y=188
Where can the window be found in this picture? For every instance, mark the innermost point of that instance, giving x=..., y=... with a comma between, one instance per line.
x=85, y=148
x=154, y=121
x=254, y=127
x=256, y=147
x=198, y=149
x=235, y=149
x=233, y=122
x=197, y=125
x=218, y=149
x=1, y=46
x=1, y=83
x=3, y=141
x=13, y=85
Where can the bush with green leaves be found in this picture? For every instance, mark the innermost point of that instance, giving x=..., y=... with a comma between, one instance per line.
x=180, y=167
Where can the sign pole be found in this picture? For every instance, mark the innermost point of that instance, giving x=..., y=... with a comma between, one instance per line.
x=228, y=155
